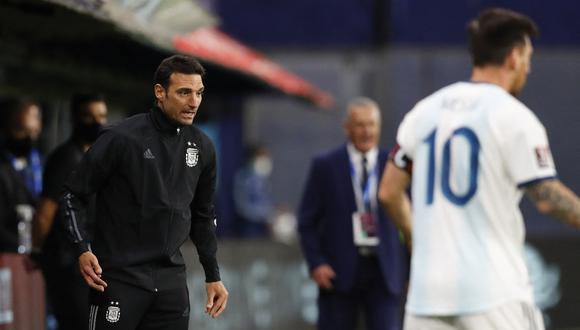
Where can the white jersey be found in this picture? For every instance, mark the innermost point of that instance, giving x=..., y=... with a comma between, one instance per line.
x=473, y=147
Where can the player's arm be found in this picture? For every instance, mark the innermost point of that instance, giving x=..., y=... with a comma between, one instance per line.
x=393, y=197
x=553, y=198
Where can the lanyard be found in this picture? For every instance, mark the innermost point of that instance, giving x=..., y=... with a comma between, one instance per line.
x=32, y=173
x=363, y=195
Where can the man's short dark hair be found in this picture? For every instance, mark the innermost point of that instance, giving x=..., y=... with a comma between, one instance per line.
x=495, y=32
x=80, y=100
x=176, y=63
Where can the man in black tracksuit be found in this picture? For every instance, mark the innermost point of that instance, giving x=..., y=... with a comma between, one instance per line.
x=67, y=293
x=154, y=176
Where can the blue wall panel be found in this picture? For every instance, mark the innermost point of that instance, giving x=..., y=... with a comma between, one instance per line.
x=328, y=23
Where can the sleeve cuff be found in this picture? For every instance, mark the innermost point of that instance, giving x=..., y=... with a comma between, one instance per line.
x=400, y=159
x=312, y=264
x=81, y=247
x=535, y=181
x=212, y=271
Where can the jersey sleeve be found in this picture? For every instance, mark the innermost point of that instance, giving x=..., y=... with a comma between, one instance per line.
x=526, y=149
x=400, y=159
x=406, y=139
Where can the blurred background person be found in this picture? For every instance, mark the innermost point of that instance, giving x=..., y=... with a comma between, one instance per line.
x=22, y=129
x=22, y=171
x=66, y=289
x=283, y=227
x=20, y=185
x=353, y=251
x=253, y=193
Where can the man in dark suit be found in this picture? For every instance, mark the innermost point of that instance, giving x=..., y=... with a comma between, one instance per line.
x=353, y=251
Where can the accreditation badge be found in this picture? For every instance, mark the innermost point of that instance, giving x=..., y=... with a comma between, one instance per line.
x=365, y=230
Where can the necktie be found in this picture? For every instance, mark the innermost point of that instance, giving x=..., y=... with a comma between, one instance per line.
x=365, y=173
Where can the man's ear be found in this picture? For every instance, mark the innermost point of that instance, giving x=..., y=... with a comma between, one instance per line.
x=514, y=58
x=159, y=92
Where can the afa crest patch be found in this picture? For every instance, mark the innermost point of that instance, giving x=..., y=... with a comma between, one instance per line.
x=191, y=157
x=113, y=313
x=543, y=156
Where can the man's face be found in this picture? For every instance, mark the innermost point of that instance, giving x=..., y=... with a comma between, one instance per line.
x=523, y=67
x=94, y=113
x=29, y=123
x=182, y=98
x=363, y=127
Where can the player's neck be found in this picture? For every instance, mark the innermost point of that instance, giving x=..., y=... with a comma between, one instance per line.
x=493, y=75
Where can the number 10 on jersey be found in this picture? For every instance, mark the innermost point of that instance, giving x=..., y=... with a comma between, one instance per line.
x=473, y=154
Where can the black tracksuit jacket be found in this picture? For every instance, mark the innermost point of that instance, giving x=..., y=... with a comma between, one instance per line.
x=154, y=183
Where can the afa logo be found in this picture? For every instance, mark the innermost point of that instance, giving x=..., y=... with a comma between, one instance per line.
x=113, y=313
x=191, y=157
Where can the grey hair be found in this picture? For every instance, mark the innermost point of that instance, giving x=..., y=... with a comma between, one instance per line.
x=362, y=102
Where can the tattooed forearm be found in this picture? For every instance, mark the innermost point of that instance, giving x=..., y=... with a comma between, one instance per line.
x=555, y=199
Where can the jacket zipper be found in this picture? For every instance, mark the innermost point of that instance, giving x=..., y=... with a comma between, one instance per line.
x=172, y=167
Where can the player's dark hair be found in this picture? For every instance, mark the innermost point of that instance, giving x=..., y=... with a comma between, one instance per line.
x=495, y=32
x=79, y=101
x=176, y=63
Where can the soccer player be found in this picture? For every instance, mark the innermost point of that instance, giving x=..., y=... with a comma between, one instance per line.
x=475, y=149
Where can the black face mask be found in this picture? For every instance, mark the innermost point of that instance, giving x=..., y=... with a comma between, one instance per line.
x=88, y=133
x=20, y=147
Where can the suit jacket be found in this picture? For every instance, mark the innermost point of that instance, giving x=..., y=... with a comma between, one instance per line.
x=325, y=224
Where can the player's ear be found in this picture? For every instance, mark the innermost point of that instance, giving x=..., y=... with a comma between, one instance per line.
x=514, y=58
x=159, y=92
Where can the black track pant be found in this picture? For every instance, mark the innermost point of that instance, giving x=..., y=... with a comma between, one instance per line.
x=126, y=307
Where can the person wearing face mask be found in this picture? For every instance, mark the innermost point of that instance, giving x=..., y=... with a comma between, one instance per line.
x=20, y=185
x=67, y=293
x=252, y=193
x=353, y=251
x=21, y=170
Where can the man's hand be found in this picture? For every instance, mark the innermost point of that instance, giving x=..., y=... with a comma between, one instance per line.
x=323, y=276
x=91, y=271
x=217, y=298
